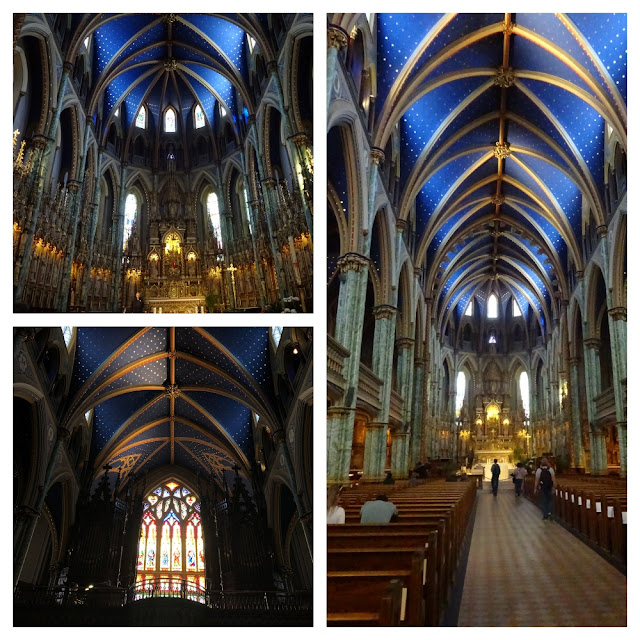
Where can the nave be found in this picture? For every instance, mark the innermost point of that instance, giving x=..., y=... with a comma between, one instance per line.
x=526, y=572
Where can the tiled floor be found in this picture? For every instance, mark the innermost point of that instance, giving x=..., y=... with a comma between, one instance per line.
x=527, y=572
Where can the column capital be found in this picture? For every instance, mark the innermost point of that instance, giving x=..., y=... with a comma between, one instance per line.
x=575, y=361
x=251, y=120
x=405, y=343
x=579, y=275
x=63, y=433
x=375, y=426
x=377, y=155
x=67, y=66
x=602, y=230
x=401, y=225
x=592, y=343
x=352, y=262
x=339, y=412
x=384, y=311
x=270, y=183
x=420, y=362
x=272, y=66
x=300, y=139
x=337, y=37
x=618, y=313
x=74, y=185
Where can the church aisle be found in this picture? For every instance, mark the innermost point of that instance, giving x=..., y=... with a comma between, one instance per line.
x=526, y=572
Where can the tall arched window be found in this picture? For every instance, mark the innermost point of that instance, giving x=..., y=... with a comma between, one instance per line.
x=524, y=392
x=492, y=306
x=170, y=120
x=461, y=387
x=141, y=118
x=276, y=332
x=67, y=332
x=171, y=545
x=516, y=309
x=130, y=213
x=247, y=210
x=213, y=211
x=199, y=117
x=469, y=309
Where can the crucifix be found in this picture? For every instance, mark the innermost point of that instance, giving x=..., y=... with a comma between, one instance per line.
x=233, y=269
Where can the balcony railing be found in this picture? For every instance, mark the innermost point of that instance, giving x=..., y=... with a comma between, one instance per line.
x=102, y=597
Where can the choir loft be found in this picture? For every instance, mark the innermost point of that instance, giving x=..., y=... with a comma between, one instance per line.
x=162, y=475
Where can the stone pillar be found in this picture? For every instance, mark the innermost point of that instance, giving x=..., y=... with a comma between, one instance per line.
x=301, y=142
x=417, y=434
x=95, y=212
x=383, y=340
x=253, y=204
x=406, y=347
x=400, y=454
x=375, y=451
x=117, y=232
x=593, y=384
x=43, y=148
x=618, y=332
x=576, y=423
x=354, y=271
x=30, y=515
x=336, y=39
x=377, y=157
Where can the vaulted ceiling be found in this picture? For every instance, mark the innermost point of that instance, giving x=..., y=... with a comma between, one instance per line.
x=180, y=396
x=500, y=120
x=166, y=60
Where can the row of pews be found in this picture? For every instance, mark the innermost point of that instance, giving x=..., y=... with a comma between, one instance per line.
x=595, y=508
x=401, y=573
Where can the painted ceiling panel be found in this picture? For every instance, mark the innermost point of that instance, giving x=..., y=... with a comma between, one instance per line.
x=425, y=116
x=157, y=411
x=584, y=124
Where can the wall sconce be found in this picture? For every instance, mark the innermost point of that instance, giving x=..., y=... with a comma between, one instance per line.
x=479, y=422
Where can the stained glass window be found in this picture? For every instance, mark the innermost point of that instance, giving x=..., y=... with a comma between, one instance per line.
x=86, y=42
x=492, y=306
x=170, y=120
x=252, y=43
x=171, y=548
x=213, y=210
x=276, y=332
x=141, y=118
x=116, y=113
x=469, y=310
x=516, y=309
x=130, y=213
x=223, y=111
x=199, y=117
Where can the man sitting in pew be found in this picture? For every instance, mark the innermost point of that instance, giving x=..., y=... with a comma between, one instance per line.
x=378, y=511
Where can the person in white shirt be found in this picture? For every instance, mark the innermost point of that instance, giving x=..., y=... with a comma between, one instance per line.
x=335, y=513
x=519, y=474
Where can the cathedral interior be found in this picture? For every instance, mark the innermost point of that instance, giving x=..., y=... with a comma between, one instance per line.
x=165, y=154
x=477, y=221
x=476, y=317
x=162, y=476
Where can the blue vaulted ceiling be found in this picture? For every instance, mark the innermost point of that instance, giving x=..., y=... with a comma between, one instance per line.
x=177, y=60
x=516, y=213
x=182, y=396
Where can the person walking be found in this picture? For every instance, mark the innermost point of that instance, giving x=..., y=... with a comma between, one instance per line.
x=545, y=480
x=519, y=474
x=495, y=476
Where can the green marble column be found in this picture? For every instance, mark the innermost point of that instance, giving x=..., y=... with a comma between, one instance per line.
x=354, y=271
x=383, y=340
x=593, y=384
x=416, y=446
x=399, y=454
x=576, y=420
x=336, y=39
